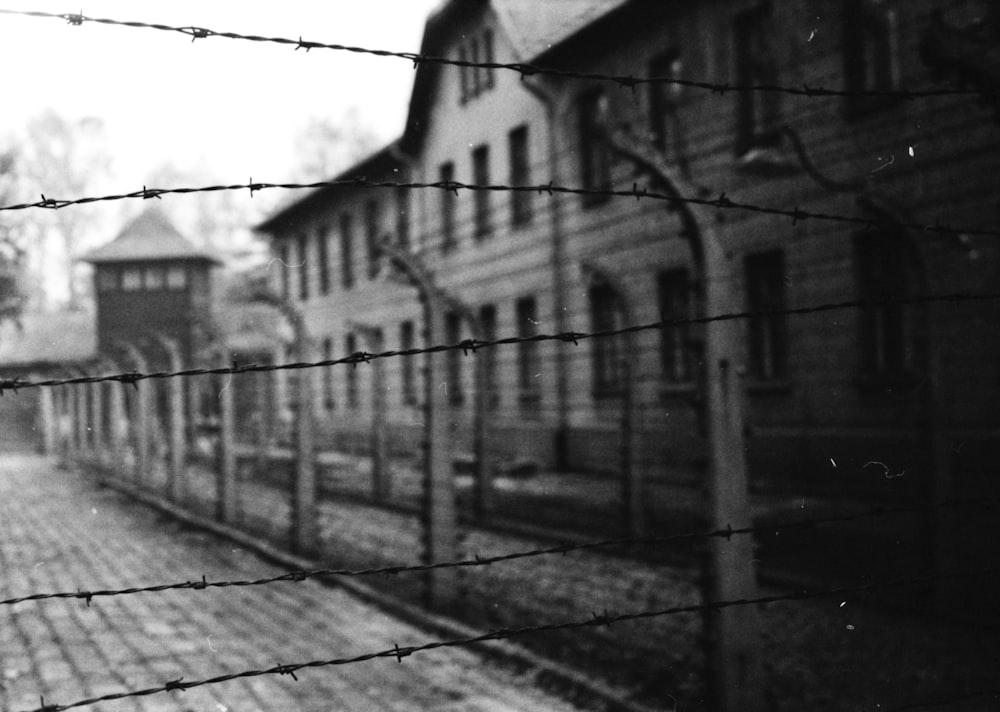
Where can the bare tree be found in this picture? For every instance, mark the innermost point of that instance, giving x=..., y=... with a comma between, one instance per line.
x=325, y=146
x=61, y=159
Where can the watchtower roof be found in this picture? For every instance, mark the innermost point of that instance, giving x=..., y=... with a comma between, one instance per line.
x=148, y=237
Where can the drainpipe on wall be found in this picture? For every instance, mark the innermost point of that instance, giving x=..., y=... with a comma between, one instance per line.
x=558, y=265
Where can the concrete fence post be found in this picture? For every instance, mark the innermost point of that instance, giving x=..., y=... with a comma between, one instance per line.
x=305, y=515
x=439, y=511
x=176, y=422
x=97, y=437
x=141, y=417
x=47, y=420
x=381, y=485
x=226, y=495
x=732, y=635
x=82, y=419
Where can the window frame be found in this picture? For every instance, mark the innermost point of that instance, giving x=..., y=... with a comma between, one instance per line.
x=482, y=203
x=595, y=158
x=758, y=114
x=519, y=154
x=767, y=333
x=605, y=311
x=346, y=251
x=675, y=301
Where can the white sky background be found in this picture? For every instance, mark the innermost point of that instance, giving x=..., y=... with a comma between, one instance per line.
x=227, y=107
x=230, y=104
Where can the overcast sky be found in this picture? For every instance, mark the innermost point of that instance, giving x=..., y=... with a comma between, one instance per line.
x=228, y=105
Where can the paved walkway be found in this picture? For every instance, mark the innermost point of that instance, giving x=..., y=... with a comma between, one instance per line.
x=59, y=532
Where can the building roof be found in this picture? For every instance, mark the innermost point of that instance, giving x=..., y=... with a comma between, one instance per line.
x=376, y=166
x=149, y=236
x=534, y=29
x=48, y=340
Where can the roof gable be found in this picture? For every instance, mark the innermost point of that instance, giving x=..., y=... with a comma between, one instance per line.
x=149, y=236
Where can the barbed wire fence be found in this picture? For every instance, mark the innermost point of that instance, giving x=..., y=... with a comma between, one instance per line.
x=89, y=414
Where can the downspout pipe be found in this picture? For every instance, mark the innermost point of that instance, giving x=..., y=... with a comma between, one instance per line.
x=557, y=265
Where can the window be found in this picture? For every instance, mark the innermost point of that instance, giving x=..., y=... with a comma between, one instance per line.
x=328, y=399
x=486, y=73
x=674, y=293
x=488, y=332
x=595, y=160
x=768, y=347
x=176, y=278
x=407, y=364
x=154, y=277
x=663, y=99
x=132, y=279
x=283, y=273
x=520, y=174
x=758, y=113
x=107, y=279
x=403, y=217
x=528, y=365
x=302, y=243
x=871, y=51
x=475, y=80
x=886, y=338
x=371, y=237
x=464, y=76
x=481, y=176
x=446, y=174
x=453, y=335
x=346, y=252
x=352, y=373
x=323, y=248
x=605, y=315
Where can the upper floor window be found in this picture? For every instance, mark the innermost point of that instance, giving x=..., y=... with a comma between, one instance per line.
x=758, y=119
x=528, y=363
x=328, y=372
x=595, y=159
x=177, y=278
x=886, y=336
x=403, y=217
x=488, y=332
x=768, y=331
x=284, y=274
x=323, y=258
x=303, y=265
x=474, y=80
x=674, y=297
x=346, y=251
x=446, y=174
x=663, y=98
x=407, y=364
x=371, y=237
x=481, y=176
x=453, y=328
x=520, y=175
x=107, y=278
x=871, y=53
x=605, y=315
x=351, y=374
x=132, y=279
x=155, y=278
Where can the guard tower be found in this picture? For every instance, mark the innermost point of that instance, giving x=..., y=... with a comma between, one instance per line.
x=151, y=280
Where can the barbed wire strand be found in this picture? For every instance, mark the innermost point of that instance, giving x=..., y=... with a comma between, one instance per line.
x=521, y=68
x=472, y=345
x=722, y=202
x=298, y=576
x=596, y=620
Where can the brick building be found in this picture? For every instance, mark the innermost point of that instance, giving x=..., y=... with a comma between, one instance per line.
x=826, y=392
